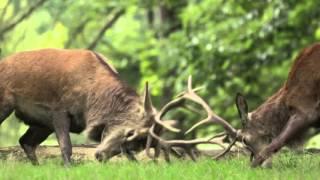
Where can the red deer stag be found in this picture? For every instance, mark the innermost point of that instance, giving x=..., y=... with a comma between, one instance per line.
x=286, y=116
x=66, y=91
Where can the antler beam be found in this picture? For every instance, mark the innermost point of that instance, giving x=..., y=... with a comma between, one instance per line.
x=188, y=145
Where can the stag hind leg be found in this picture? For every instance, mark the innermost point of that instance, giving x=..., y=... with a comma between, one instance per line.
x=297, y=122
x=31, y=139
x=6, y=105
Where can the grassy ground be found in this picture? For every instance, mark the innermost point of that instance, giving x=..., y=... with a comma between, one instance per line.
x=286, y=166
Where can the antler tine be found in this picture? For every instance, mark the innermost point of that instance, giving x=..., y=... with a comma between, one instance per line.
x=178, y=143
x=226, y=150
x=212, y=117
x=190, y=83
x=172, y=104
x=194, y=90
x=167, y=145
x=215, y=119
x=197, y=125
x=158, y=145
x=218, y=135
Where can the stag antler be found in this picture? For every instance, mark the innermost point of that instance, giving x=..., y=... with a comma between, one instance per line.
x=188, y=145
x=212, y=117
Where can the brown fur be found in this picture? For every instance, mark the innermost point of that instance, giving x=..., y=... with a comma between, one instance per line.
x=285, y=117
x=77, y=86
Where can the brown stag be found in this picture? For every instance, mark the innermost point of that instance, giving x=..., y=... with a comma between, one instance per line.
x=285, y=117
x=64, y=91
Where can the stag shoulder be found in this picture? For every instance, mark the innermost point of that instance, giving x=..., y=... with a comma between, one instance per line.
x=305, y=69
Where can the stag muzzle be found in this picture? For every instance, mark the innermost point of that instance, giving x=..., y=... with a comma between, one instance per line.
x=121, y=141
x=110, y=145
x=105, y=156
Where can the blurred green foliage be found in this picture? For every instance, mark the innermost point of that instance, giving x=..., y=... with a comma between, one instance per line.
x=228, y=46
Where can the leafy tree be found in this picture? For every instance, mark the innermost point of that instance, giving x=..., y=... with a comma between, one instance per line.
x=228, y=46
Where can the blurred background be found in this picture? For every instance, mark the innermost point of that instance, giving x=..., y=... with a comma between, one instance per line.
x=228, y=46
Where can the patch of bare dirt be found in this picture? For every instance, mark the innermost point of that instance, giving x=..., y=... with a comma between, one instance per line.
x=79, y=153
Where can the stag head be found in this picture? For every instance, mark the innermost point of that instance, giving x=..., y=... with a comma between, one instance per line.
x=258, y=126
x=132, y=133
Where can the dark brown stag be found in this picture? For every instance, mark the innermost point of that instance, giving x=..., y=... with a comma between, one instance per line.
x=287, y=115
x=66, y=91
x=284, y=119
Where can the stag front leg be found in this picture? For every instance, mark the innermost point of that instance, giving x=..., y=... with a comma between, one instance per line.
x=296, y=123
x=166, y=154
x=61, y=124
x=129, y=154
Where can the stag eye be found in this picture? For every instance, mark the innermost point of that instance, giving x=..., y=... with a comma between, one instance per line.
x=245, y=142
x=130, y=133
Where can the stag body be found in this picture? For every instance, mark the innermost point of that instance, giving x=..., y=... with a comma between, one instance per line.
x=286, y=116
x=66, y=91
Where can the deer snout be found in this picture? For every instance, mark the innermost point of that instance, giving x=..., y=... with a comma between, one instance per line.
x=105, y=155
x=99, y=156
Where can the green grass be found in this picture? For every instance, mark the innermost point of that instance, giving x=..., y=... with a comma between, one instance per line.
x=287, y=166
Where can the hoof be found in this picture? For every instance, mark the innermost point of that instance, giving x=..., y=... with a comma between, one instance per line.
x=257, y=161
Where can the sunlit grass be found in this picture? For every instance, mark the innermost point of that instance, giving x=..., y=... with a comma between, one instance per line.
x=287, y=166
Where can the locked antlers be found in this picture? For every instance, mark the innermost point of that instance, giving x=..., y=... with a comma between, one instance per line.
x=188, y=145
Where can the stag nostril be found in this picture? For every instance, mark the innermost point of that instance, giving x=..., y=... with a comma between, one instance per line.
x=99, y=156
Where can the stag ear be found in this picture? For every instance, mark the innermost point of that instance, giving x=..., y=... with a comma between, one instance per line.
x=242, y=107
x=148, y=107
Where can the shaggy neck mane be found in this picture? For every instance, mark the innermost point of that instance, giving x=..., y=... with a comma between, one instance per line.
x=120, y=98
x=271, y=112
x=113, y=100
